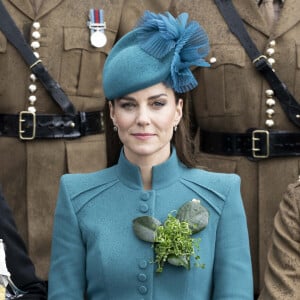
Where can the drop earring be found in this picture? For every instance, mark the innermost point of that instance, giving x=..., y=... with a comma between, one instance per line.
x=175, y=128
x=115, y=128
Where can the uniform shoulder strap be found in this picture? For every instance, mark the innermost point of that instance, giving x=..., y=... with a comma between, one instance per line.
x=15, y=37
x=288, y=103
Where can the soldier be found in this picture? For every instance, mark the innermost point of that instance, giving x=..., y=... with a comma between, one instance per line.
x=282, y=276
x=35, y=156
x=233, y=98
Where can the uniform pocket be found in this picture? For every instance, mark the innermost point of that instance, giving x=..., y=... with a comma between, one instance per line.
x=86, y=155
x=82, y=64
x=218, y=85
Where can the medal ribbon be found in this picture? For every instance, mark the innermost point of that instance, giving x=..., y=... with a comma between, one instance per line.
x=96, y=20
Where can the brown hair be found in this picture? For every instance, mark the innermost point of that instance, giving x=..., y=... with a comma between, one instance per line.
x=181, y=138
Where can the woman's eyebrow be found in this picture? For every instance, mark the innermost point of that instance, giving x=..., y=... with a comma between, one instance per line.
x=157, y=96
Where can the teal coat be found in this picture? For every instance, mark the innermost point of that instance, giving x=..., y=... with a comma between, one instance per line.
x=95, y=252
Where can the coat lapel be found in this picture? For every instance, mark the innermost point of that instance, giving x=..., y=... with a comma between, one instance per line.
x=249, y=12
x=289, y=17
x=47, y=6
x=26, y=8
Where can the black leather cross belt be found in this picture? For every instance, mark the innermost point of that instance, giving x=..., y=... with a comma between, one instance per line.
x=255, y=143
x=28, y=126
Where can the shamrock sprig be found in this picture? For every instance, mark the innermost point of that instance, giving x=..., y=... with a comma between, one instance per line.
x=172, y=240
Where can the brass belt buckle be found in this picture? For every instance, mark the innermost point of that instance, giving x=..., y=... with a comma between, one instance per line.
x=256, y=138
x=22, y=130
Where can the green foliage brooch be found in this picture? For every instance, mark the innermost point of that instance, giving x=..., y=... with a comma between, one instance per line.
x=172, y=240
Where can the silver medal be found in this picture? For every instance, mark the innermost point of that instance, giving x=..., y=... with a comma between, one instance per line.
x=98, y=39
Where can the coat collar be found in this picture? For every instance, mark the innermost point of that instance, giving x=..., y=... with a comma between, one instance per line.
x=289, y=16
x=25, y=7
x=163, y=174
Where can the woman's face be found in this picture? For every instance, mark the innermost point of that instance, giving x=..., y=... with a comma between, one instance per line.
x=145, y=120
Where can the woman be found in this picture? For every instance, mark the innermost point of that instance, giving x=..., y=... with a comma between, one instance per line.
x=19, y=265
x=104, y=221
x=282, y=274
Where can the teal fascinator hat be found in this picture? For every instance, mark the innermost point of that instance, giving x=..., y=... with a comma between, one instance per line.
x=160, y=49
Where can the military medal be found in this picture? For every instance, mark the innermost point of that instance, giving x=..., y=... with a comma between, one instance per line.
x=97, y=26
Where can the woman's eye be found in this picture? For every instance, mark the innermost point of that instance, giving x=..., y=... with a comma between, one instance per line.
x=158, y=104
x=127, y=105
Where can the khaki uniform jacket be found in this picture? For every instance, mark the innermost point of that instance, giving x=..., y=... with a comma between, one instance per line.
x=30, y=171
x=231, y=98
x=282, y=276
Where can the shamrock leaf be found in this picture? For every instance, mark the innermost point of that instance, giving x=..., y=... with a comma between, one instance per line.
x=181, y=261
x=194, y=214
x=145, y=228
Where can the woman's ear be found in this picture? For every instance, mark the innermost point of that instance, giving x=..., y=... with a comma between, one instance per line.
x=179, y=108
x=111, y=112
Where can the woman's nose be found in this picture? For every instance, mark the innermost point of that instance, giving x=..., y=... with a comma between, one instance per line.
x=143, y=117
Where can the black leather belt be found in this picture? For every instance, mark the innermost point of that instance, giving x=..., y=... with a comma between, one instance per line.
x=255, y=143
x=29, y=126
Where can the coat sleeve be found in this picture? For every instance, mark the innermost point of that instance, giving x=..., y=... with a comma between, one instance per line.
x=18, y=262
x=232, y=267
x=282, y=275
x=67, y=267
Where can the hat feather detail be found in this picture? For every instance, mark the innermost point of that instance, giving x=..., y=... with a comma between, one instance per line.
x=161, y=34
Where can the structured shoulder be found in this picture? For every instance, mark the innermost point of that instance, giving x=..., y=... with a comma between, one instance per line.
x=80, y=188
x=220, y=184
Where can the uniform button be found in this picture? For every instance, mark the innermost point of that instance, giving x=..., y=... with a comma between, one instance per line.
x=32, y=88
x=36, y=54
x=142, y=277
x=271, y=61
x=35, y=45
x=32, y=77
x=272, y=43
x=36, y=25
x=269, y=93
x=36, y=35
x=270, y=123
x=31, y=109
x=143, y=289
x=270, y=112
x=145, y=196
x=213, y=60
x=270, y=102
x=32, y=99
x=270, y=51
x=143, y=264
x=144, y=207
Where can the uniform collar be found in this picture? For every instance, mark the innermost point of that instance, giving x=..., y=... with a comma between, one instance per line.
x=163, y=174
x=25, y=7
x=289, y=17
